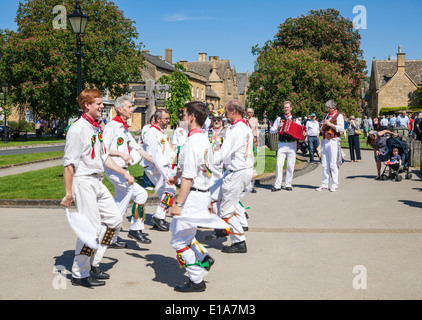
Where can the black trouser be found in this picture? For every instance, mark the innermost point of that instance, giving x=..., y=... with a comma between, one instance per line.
x=354, y=147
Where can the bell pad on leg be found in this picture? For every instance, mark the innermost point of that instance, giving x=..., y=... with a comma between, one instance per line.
x=108, y=236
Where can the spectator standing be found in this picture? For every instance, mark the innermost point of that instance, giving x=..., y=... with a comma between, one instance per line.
x=354, y=144
x=376, y=123
x=312, y=132
x=418, y=126
x=384, y=123
x=402, y=120
x=392, y=122
x=366, y=126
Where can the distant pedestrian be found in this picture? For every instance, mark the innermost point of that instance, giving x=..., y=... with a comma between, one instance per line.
x=312, y=132
x=354, y=143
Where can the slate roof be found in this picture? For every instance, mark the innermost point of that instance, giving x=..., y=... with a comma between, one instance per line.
x=384, y=70
x=205, y=67
x=158, y=62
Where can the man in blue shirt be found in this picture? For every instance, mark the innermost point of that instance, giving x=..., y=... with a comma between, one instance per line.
x=402, y=120
x=392, y=122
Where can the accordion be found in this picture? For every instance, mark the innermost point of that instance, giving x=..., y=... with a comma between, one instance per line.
x=293, y=130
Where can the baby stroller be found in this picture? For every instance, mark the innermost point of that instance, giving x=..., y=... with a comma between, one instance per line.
x=395, y=169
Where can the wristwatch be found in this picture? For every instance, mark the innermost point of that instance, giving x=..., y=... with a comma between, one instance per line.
x=179, y=204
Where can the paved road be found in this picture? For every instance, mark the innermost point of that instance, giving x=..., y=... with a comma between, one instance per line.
x=362, y=242
x=36, y=149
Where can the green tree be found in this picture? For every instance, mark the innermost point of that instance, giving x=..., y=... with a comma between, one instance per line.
x=301, y=77
x=39, y=63
x=180, y=92
x=331, y=39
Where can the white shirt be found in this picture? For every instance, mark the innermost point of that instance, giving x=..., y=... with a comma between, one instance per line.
x=157, y=144
x=143, y=133
x=384, y=122
x=180, y=137
x=402, y=121
x=237, y=148
x=196, y=161
x=312, y=127
x=84, y=149
x=117, y=138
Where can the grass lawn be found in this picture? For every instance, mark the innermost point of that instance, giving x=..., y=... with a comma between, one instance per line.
x=9, y=159
x=48, y=183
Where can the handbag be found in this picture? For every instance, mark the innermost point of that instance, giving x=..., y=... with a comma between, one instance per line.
x=358, y=131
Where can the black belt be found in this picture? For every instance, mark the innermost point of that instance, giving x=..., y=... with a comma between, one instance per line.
x=194, y=189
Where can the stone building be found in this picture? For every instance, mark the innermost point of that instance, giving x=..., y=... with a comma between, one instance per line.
x=394, y=83
x=222, y=80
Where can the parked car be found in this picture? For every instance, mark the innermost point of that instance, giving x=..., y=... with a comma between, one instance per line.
x=2, y=129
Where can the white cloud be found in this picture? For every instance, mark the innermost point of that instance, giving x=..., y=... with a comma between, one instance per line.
x=176, y=17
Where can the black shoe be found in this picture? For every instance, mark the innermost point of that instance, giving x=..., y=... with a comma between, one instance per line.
x=191, y=287
x=253, y=190
x=118, y=245
x=246, y=216
x=87, y=282
x=161, y=224
x=274, y=189
x=210, y=262
x=138, y=236
x=218, y=233
x=99, y=274
x=245, y=228
x=288, y=188
x=238, y=247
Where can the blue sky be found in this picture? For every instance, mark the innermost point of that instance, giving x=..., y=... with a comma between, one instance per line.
x=230, y=28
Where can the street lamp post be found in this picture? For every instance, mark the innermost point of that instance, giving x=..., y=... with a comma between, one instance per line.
x=78, y=22
x=5, y=89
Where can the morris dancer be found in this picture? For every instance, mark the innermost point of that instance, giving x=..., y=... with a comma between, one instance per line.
x=237, y=155
x=332, y=127
x=191, y=208
x=125, y=151
x=84, y=159
x=157, y=144
x=287, y=147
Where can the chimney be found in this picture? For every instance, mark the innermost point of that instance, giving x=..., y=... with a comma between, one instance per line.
x=169, y=55
x=401, y=64
x=202, y=57
x=184, y=63
x=146, y=51
x=214, y=58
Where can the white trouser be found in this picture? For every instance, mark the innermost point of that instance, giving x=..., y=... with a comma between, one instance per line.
x=154, y=176
x=124, y=194
x=285, y=149
x=329, y=154
x=183, y=233
x=234, y=183
x=217, y=195
x=94, y=200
